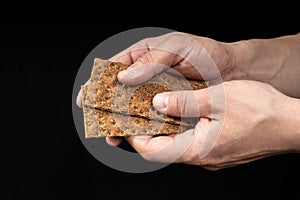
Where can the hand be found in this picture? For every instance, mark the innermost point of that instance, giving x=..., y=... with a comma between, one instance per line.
x=274, y=61
x=177, y=50
x=260, y=121
x=193, y=56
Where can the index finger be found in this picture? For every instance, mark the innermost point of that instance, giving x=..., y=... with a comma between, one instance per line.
x=130, y=55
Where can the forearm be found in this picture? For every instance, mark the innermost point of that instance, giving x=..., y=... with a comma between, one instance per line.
x=274, y=61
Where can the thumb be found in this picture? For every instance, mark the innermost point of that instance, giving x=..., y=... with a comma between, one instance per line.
x=184, y=103
x=146, y=66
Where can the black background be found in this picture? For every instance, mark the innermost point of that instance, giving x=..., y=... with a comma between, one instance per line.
x=41, y=153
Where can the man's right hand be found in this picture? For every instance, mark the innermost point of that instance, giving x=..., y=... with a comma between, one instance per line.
x=192, y=56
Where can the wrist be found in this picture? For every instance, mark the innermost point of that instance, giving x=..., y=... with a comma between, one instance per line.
x=291, y=124
x=258, y=59
x=262, y=59
x=243, y=59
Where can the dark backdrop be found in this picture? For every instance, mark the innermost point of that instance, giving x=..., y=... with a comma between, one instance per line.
x=41, y=153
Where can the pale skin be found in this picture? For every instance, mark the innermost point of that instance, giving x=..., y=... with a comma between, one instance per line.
x=261, y=83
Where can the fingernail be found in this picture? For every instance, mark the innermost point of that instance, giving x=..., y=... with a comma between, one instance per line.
x=160, y=101
x=126, y=73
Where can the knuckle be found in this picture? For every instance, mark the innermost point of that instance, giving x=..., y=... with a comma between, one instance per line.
x=184, y=105
x=175, y=37
x=147, y=58
x=179, y=104
x=176, y=105
x=172, y=41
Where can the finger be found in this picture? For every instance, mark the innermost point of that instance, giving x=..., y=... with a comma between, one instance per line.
x=79, y=96
x=114, y=141
x=137, y=74
x=184, y=103
x=149, y=147
x=166, y=149
x=148, y=65
x=184, y=68
x=129, y=56
x=79, y=99
x=147, y=144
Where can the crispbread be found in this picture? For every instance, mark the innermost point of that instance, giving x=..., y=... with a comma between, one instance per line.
x=105, y=98
x=100, y=123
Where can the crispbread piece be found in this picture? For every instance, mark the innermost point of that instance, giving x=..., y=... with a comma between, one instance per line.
x=99, y=123
x=105, y=92
x=114, y=109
